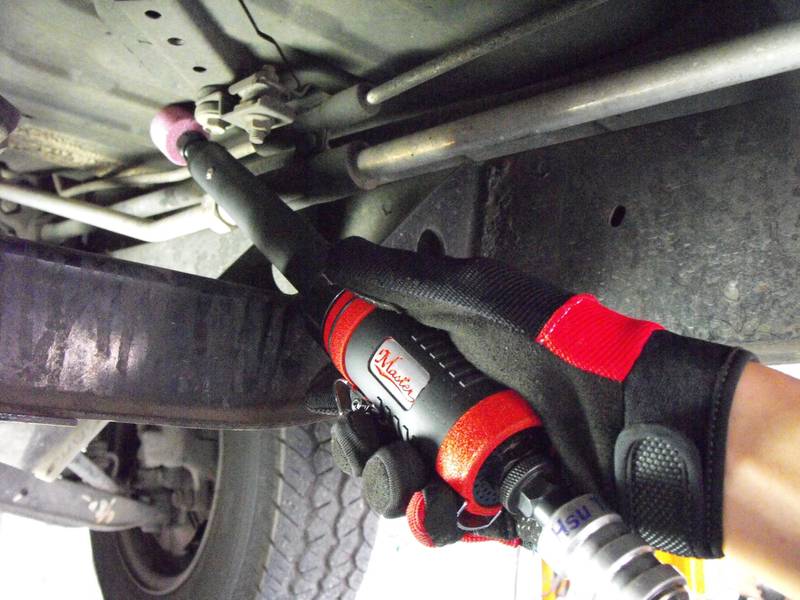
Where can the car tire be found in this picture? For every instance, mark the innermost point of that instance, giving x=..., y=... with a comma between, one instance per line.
x=285, y=524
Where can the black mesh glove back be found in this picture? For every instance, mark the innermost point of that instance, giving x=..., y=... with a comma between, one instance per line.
x=635, y=412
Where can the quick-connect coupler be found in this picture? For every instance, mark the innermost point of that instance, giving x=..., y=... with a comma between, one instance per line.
x=584, y=540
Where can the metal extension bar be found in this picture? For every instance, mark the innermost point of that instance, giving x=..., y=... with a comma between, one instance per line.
x=525, y=124
x=190, y=220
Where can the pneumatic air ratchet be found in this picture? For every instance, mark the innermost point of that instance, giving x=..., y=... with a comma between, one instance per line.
x=483, y=439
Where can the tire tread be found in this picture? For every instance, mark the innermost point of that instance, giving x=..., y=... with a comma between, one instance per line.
x=328, y=556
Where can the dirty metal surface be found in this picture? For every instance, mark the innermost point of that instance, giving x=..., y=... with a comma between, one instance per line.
x=448, y=218
x=709, y=241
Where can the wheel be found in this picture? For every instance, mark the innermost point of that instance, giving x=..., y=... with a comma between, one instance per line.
x=283, y=523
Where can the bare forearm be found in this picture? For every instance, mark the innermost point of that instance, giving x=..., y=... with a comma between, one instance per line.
x=761, y=505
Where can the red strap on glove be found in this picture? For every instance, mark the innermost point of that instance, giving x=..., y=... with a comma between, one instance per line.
x=596, y=339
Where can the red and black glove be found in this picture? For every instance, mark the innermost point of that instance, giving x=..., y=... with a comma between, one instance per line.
x=634, y=412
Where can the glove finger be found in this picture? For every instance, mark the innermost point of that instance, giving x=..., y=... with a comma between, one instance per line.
x=391, y=476
x=319, y=398
x=354, y=439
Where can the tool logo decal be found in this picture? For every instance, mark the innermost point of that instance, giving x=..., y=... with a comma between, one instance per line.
x=402, y=376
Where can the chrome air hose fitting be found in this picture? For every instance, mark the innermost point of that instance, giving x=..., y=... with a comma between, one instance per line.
x=585, y=541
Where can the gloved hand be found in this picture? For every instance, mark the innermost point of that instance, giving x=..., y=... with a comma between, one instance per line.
x=634, y=412
x=397, y=481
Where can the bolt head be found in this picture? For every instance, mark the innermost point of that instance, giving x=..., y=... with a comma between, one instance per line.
x=531, y=493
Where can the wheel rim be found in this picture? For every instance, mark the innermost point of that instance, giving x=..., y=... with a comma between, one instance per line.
x=154, y=569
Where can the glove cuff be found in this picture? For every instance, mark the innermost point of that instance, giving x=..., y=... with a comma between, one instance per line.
x=670, y=459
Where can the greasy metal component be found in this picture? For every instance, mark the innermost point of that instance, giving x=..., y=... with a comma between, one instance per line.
x=589, y=544
x=374, y=214
x=714, y=100
x=179, y=468
x=489, y=134
x=92, y=475
x=87, y=336
x=190, y=220
x=174, y=447
x=45, y=450
x=262, y=107
x=340, y=110
x=333, y=173
x=137, y=177
x=127, y=80
x=709, y=245
x=20, y=221
x=9, y=119
x=73, y=504
x=63, y=450
x=480, y=47
x=164, y=200
x=371, y=214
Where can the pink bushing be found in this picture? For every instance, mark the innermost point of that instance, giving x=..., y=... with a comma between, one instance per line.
x=169, y=124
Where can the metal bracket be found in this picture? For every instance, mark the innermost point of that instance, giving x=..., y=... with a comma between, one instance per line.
x=73, y=504
x=448, y=220
x=262, y=106
x=209, y=108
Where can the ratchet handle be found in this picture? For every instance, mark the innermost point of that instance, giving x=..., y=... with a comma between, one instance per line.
x=436, y=399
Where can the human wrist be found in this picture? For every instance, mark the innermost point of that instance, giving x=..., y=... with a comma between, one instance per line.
x=761, y=521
